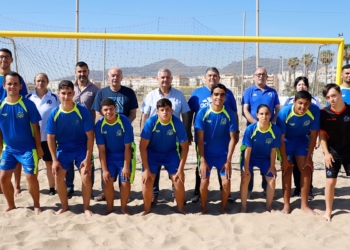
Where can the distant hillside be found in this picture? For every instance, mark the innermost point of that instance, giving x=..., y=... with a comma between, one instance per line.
x=273, y=66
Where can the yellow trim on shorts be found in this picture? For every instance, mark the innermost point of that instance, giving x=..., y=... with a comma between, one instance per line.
x=36, y=160
x=133, y=162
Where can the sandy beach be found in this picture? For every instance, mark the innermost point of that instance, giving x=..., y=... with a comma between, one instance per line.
x=164, y=228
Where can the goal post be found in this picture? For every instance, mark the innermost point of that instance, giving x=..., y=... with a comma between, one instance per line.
x=188, y=38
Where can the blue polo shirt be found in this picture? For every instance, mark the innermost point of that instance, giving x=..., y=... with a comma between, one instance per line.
x=177, y=98
x=70, y=127
x=16, y=121
x=295, y=126
x=163, y=137
x=217, y=127
x=114, y=136
x=253, y=96
x=261, y=142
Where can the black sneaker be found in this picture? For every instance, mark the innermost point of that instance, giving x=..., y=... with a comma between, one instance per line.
x=296, y=193
x=195, y=199
x=70, y=194
x=311, y=196
x=52, y=192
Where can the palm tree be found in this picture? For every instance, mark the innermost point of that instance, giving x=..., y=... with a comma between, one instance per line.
x=307, y=60
x=346, y=56
x=293, y=63
x=326, y=57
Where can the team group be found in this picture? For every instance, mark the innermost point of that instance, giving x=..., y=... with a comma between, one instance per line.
x=60, y=129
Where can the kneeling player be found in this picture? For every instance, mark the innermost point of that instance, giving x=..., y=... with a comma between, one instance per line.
x=334, y=137
x=158, y=147
x=114, y=139
x=216, y=126
x=260, y=141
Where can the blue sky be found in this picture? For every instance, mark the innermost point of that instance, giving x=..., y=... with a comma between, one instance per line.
x=306, y=18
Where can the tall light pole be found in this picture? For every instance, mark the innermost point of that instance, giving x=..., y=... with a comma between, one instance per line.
x=257, y=34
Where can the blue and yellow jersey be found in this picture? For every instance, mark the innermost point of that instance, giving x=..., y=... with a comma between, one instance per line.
x=114, y=136
x=16, y=121
x=70, y=127
x=163, y=138
x=261, y=142
x=217, y=127
x=295, y=126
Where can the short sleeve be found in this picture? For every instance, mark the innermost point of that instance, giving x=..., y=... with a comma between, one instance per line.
x=87, y=119
x=146, y=132
x=184, y=105
x=198, y=123
x=233, y=122
x=281, y=121
x=193, y=102
x=180, y=131
x=232, y=101
x=129, y=133
x=99, y=137
x=246, y=96
x=97, y=101
x=145, y=107
x=34, y=114
x=316, y=122
x=23, y=91
x=50, y=125
x=133, y=100
x=277, y=141
x=277, y=100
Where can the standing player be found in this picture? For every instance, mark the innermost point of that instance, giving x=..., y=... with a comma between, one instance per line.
x=296, y=122
x=260, y=141
x=345, y=86
x=259, y=93
x=200, y=98
x=158, y=147
x=335, y=137
x=149, y=108
x=216, y=126
x=20, y=129
x=114, y=137
x=45, y=101
x=5, y=66
x=70, y=137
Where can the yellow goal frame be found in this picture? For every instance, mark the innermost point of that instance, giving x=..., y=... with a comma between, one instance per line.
x=187, y=38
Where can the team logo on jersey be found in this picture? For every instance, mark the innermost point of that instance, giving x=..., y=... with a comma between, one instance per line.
x=292, y=124
x=76, y=121
x=346, y=118
x=209, y=121
x=49, y=102
x=223, y=121
x=20, y=114
x=2, y=162
x=270, y=94
x=157, y=131
x=206, y=102
x=255, y=94
x=104, y=132
x=170, y=132
x=306, y=123
x=5, y=114
x=268, y=141
x=119, y=133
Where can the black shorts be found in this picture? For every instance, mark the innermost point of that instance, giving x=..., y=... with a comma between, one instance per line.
x=47, y=155
x=333, y=171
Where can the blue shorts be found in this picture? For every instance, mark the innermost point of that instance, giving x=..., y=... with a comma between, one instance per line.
x=263, y=165
x=67, y=158
x=115, y=169
x=297, y=147
x=28, y=159
x=169, y=161
x=215, y=161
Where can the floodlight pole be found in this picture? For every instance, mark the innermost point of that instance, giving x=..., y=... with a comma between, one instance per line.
x=257, y=34
x=77, y=30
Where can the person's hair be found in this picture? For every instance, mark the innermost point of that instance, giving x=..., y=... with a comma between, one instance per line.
x=330, y=86
x=164, y=70
x=303, y=94
x=262, y=106
x=65, y=84
x=82, y=64
x=346, y=66
x=260, y=68
x=45, y=75
x=107, y=102
x=115, y=68
x=6, y=51
x=214, y=69
x=301, y=78
x=163, y=103
x=12, y=73
x=218, y=85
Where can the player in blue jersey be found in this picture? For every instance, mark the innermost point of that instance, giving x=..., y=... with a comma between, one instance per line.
x=345, y=86
x=20, y=130
x=114, y=139
x=201, y=98
x=260, y=142
x=5, y=66
x=216, y=127
x=70, y=137
x=160, y=137
x=334, y=137
x=296, y=121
